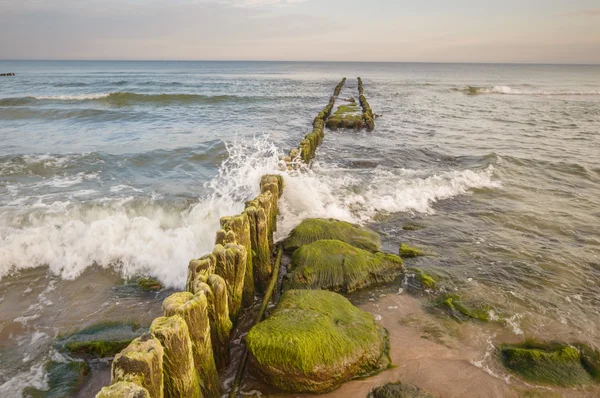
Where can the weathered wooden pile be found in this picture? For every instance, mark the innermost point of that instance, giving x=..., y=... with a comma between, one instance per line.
x=7, y=74
x=367, y=111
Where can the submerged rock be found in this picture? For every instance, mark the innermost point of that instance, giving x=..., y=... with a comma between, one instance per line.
x=546, y=363
x=398, y=390
x=453, y=306
x=149, y=284
x=314, y=229
x=314, y=341
x=64, y=379
x=101, y=340
x=416, y=279
x=123, y=389
x=409, y=252
x=337, y=266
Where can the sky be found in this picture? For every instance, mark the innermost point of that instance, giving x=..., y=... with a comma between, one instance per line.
x=513, y=31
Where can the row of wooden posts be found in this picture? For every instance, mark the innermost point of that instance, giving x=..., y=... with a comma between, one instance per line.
x=368, y=116
x=184, y=350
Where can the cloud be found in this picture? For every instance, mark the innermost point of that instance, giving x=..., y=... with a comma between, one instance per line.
x=263, y=3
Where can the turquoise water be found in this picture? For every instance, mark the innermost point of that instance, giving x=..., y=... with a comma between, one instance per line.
x=124, y=168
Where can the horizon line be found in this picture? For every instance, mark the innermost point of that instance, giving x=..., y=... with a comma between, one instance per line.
x=305, y=61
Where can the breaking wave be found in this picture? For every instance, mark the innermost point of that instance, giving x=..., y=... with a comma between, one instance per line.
x=474, y=90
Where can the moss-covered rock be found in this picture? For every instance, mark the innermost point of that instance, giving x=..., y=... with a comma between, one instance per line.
x=337, y=266
x=314, y=229
x=546, y=363
x=590, y=359
x=314, y=341
x=149, y=284
x=407, y=251
x=141, y=363
x=412, y=227
x=398, y=390
x=416, y=279
x=180, y=376
x=452, y=305
x=64, y=379
x=101, y=340
x=123, y=389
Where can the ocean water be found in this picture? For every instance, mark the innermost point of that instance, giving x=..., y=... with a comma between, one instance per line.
x=114, y=170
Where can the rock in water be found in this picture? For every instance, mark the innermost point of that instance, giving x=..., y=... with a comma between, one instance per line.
x=551, y=363
x=337, y=266
x=314, y=229
x=314, y=341
x=398, y=390
x=123, y=389
x=64, y=380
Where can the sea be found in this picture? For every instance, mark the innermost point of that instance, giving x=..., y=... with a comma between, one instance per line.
x=115, y=170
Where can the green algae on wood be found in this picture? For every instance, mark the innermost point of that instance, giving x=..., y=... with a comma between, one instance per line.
x=231, y=266
x=546, y=363
x=141, y=362
x=407, y=251
x=261, y=253
x=315, y=340
x=314, y=229
x=398, y=390
x=123, y=389
x=240, y=226
x=337, y=266
x=204, y=266
x=194, y=311
x=180, y=377
x=64, y=379
x=101, y=340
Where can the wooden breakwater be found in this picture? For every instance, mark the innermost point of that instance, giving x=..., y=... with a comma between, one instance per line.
x=368, y=116
x=7, y=74
x=185, y=349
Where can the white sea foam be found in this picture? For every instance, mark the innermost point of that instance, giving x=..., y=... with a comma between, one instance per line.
x=149, y=238
x=521, y=91
x=77, y=97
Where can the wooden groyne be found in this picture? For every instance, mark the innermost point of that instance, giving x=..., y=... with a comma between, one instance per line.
x=367, y=111
x=185, y=349
x=7, y=74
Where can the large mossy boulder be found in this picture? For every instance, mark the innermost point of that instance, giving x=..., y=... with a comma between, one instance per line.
x=101, y=340
x=337, y=266
x=546, y=363
x=314, y=229
x=314, y=341
x=64, y=379
x=398, y=390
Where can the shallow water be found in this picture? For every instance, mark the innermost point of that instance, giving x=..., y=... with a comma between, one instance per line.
x=122, y=169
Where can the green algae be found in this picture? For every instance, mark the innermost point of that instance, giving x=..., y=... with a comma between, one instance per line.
x=64, y=379
x=101, y=340
x=123, y=389
x=180, y=377
x=413, y=227
x=231, y=266
x=315, y=340
x=452, y=305
x=314, y=229
x=193, y=309
x=240, y=226
x=417, y=279
x=141, y=362
x=409, y=252
x=149, y=284
x=338, y=266
x=398, y=390
x=590, y=359
x=546, y=363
